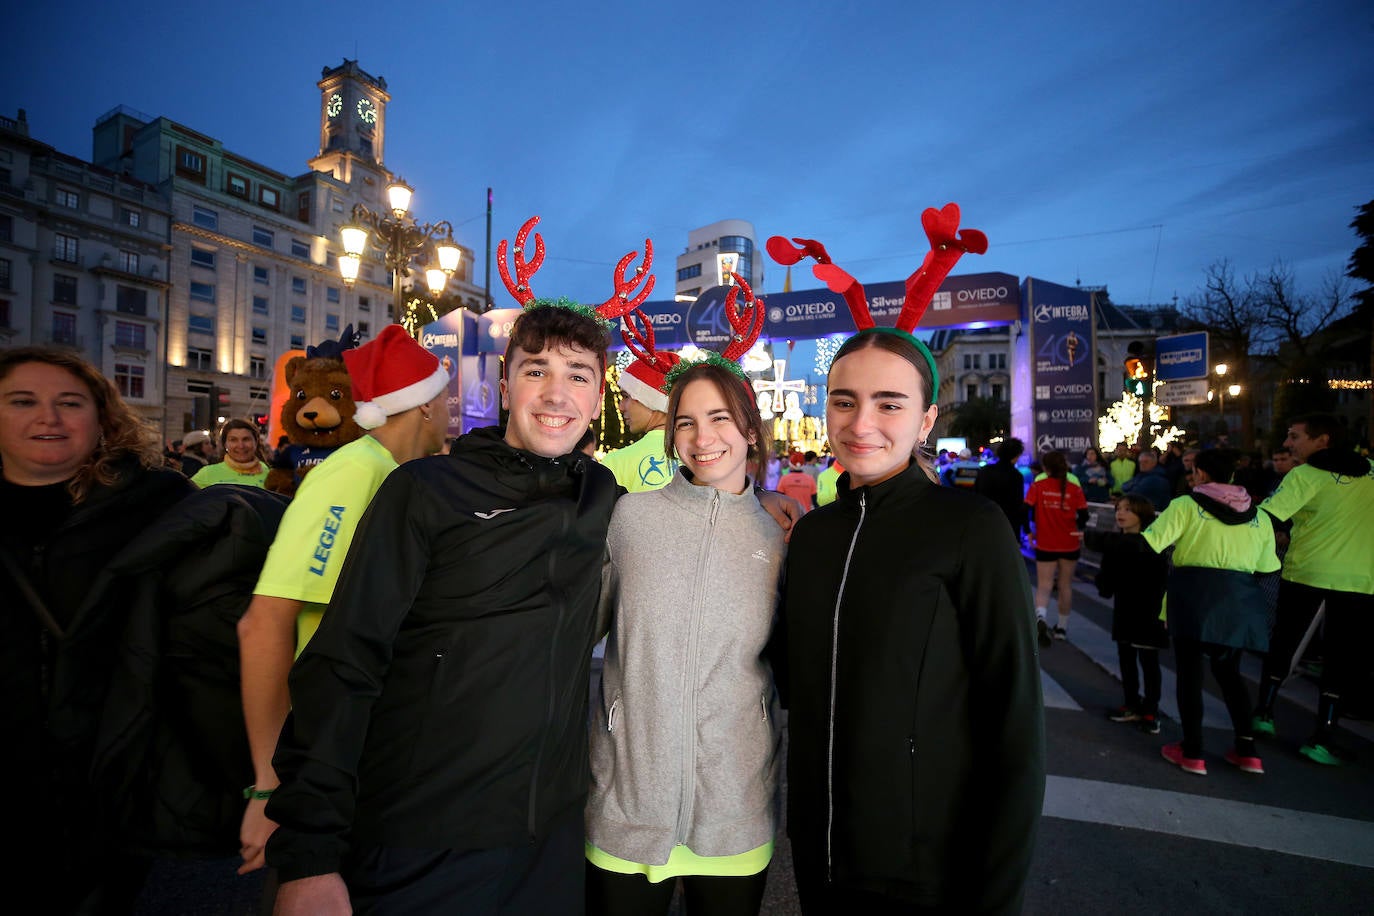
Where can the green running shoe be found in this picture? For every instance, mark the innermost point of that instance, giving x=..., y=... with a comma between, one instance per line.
x=1262, y=725
x=1318, y=753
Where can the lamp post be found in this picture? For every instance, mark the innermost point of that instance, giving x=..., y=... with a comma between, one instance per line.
x=1221, y=369
x=401, y=239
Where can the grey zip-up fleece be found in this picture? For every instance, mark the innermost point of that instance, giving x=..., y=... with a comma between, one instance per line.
x=685, y=742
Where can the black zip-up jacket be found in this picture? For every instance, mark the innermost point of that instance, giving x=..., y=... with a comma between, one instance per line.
x=916, y=754
x=443, y=702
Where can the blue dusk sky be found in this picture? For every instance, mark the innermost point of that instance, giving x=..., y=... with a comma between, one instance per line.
x=1126, y=145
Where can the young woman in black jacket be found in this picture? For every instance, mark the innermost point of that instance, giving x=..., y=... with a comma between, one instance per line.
x=916, y=734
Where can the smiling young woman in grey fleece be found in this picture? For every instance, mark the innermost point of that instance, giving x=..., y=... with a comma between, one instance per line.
x=685, y=743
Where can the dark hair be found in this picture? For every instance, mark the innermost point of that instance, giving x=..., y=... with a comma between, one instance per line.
x=899, y=346
x=122, y=434
x=236, y=423
x=1281, y=450
x=587, y=439
x=1009, y=450
x=1056, y=465
x=1323, y=424
x=739, y=401
x=1218, y=463
x=1097, y=453
x=1141, y=506
x=538, y=328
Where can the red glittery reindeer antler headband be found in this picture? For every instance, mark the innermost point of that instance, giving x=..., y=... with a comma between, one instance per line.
x=622, y=301
x=745, y=327
x=947, y=245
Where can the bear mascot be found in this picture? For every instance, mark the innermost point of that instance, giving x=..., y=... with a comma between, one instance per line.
x=317, y=416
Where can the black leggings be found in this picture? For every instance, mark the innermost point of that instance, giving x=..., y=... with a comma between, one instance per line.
x=613, y=894
x=1127, y=655
x=1188, y=656
x=1348, y=628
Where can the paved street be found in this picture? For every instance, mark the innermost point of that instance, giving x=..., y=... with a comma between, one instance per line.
x=1123, y=832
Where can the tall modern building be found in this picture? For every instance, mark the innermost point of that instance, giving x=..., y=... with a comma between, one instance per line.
x=84, y=263
x=715, y=250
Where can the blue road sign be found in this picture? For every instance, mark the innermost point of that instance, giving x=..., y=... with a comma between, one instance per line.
x=1182, y=356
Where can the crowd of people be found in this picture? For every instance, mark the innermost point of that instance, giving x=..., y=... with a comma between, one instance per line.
x=412, y=650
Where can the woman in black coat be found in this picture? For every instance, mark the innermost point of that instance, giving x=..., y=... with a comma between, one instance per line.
x=80, y=476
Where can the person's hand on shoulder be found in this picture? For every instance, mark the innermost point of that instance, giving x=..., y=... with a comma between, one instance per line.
x=784, y=509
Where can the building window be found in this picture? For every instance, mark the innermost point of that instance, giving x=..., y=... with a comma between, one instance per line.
x=259, y=305
x=261, y=275
x=331, y=322
x=260, y=335
x=4, y=273
x=63, y=328
x=4, y=313
x=128, y=262
x=131, y=334
x=257, y=367
x=740, y=243
x=6, y=228
x=129, y=379
x=997, y=360
x=205, y=218
x=298, y=314
x=687, y=273
x=201, y=324
x=970, y=392
x=331, y=294
x=262, y=237
x=300, y=249
x=298, y=341
x=364, y=328
x=237, y=185
x=200, y=386
x=64, y=248
x=997, y=392
x=64, y=289
x=364, y=304
x=336, y=203
x=190, y=162
x=69, y=199
x=131, y=301
x=203, y=258
x=303, y=206
x=198, y=358
x=205, y=292
x=298, y=285
x=269, y=198
x=130, y=217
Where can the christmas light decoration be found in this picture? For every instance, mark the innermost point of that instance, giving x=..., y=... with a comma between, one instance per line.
x=1122, y=422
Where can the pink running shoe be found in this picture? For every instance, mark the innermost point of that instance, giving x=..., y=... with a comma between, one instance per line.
x=1245, y=764
x=1174, y=754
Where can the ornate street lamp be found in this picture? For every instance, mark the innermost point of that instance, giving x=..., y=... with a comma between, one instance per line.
x=401, y=240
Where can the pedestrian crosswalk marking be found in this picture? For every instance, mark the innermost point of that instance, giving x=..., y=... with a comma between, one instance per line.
x=1297, y=833
x=1056, y=697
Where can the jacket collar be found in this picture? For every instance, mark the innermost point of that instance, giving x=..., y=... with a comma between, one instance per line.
x=875, y=495
x=683, y=493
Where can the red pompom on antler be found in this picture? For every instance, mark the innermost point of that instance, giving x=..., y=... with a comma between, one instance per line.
x=620, y=302
x=746, y=325
x=947, y=245
x=520, y=287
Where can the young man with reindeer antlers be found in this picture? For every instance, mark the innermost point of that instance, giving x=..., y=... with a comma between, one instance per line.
x=916, y=746
x=436, y=752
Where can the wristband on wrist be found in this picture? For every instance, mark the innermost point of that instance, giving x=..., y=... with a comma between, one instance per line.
x=254, y=793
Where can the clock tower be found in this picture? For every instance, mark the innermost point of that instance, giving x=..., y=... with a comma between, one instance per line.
x=352, y=118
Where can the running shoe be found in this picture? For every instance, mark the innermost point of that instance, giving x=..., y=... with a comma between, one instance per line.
x=1320, y=753
x=1149, y=724
x=1042, y=633
x=1174, y=754
x=1245, y=764
x=1060, y=633
x=1262, y=726
x=1124, y=714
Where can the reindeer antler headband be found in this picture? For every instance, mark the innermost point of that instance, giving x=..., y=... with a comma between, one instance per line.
x=619, y=304
x=745, y=327
x=947, y=245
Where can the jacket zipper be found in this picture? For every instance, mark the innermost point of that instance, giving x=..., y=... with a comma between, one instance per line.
x=689, y=703
x=610, y=717
x=834, y=667
x=552, y=694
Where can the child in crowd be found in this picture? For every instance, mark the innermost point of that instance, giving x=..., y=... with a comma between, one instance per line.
x=1135, y=576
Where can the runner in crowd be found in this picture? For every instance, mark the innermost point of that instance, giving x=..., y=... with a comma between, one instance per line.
x=1058, y=513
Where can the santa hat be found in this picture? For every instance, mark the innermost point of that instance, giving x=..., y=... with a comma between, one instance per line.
x=647, y=384
x=391, y=374
x=796, y=459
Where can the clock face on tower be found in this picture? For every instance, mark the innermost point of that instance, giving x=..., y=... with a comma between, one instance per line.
x=367, y=111
x=335, y=105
